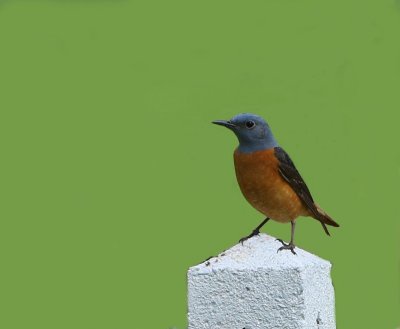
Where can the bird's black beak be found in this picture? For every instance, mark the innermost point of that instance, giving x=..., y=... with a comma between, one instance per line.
x=225, y=123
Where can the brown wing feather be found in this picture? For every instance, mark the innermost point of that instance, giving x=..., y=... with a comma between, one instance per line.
x=289, y=172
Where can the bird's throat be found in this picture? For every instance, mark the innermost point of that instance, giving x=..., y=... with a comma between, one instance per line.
x=259, y=145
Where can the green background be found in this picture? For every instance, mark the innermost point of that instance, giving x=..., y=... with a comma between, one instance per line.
x=114, y=182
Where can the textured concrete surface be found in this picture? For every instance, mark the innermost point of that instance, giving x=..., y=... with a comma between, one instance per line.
x=254, y=287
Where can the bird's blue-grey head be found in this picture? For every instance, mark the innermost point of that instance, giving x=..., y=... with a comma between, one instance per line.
x=252, y=131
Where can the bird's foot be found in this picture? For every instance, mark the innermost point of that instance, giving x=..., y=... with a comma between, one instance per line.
x=254, y=233
x=286, y=246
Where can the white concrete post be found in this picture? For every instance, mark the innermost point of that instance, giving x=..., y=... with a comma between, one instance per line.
x=254, y=287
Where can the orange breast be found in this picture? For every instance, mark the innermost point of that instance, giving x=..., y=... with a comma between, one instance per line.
x=264, y=188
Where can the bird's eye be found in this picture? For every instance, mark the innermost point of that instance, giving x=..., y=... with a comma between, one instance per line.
x=250, y=124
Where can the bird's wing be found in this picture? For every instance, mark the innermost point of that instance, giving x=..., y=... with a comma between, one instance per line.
x=289, y=173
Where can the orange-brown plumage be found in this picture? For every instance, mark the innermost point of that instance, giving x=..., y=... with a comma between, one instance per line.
x=268, y=177
x=264, y=188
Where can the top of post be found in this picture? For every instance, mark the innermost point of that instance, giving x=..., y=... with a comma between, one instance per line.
x=260, y=252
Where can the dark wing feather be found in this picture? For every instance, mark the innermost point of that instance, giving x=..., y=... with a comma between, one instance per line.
x=289, y=173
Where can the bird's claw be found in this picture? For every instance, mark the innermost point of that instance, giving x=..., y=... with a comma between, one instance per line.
x=254, y=233
x=286, y=246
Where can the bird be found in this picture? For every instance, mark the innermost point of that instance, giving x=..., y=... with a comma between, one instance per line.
x=268, y=178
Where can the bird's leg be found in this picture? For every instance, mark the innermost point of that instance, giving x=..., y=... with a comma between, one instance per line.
x=291, y=245
x=256, y=231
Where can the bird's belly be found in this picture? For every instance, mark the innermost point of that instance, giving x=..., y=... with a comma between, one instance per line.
x=264, y=188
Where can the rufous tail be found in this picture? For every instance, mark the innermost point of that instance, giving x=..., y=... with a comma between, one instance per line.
x=325, y=219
